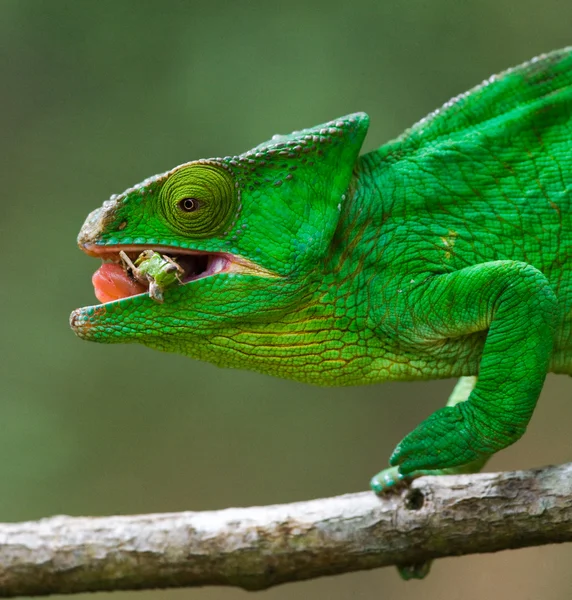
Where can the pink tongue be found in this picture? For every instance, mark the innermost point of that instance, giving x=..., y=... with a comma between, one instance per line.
x=112, y=283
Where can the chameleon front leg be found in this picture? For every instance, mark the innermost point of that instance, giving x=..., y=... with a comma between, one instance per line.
x=515, y=304
x=392, y=477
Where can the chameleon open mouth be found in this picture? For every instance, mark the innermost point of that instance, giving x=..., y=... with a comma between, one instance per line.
x=113, y=281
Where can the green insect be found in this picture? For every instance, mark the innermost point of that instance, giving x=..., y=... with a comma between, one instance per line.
x=156, y=270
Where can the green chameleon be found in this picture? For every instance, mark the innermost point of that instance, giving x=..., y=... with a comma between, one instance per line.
x=447, y=252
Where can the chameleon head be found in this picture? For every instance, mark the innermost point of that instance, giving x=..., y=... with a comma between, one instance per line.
x=250, y=232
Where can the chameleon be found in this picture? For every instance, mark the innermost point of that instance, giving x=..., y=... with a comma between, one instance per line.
x=446, y=252
x=152, y=269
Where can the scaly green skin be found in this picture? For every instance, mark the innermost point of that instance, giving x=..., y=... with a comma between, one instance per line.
x=446, y=252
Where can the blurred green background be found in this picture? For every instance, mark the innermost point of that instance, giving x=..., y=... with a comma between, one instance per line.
x=96, y=96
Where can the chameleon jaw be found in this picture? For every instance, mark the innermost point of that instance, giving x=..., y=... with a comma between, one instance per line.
x=112, y=283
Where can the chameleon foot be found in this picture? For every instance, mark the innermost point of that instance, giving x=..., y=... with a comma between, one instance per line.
x=392, y=477
x=414, y=571
x=387, y=479
x=443, y=440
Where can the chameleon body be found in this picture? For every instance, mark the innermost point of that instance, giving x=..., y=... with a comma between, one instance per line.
x=444, y=253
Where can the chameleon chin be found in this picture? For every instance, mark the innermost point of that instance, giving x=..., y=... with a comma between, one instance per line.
x=445, y=252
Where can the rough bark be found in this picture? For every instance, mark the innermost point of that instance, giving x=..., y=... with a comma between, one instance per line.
x=258, y=547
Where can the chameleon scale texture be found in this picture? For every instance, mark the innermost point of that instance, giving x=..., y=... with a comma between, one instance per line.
x=446, y=252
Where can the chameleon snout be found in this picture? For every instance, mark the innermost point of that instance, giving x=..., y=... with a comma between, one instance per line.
x=82, y=321
x=96, y=223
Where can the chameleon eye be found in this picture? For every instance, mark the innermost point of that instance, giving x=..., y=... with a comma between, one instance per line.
x=188, y=204
x=199, y=200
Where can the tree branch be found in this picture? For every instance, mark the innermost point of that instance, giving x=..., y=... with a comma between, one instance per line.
x=258, y=547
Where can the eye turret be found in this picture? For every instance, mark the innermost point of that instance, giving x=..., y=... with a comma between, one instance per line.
x=199, y=200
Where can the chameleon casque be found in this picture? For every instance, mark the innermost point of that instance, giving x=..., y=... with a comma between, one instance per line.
x=444, y=253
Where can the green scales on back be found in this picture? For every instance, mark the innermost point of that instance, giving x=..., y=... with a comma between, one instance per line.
x=445, y=253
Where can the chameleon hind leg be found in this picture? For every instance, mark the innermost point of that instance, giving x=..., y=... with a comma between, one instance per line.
x=389, y=478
